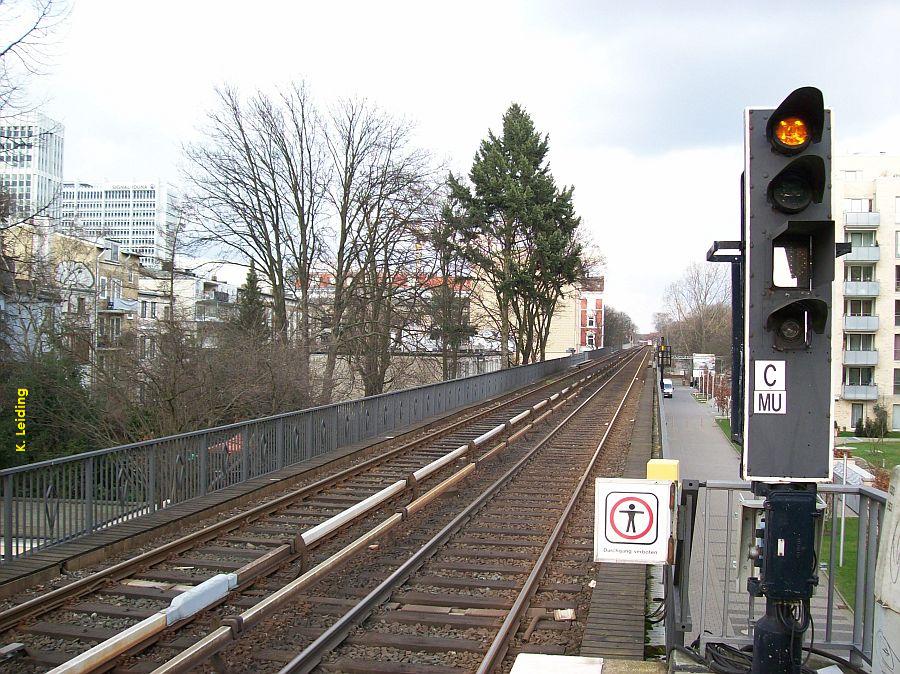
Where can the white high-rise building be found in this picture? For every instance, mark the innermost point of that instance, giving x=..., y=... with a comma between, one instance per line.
x=866, y=299
x=31, y=165
x=139, y=215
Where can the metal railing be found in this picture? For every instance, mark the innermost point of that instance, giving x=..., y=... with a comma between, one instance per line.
x=58, y=500
x=706, y=602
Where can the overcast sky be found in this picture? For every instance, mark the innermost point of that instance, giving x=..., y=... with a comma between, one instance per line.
x=642, y=100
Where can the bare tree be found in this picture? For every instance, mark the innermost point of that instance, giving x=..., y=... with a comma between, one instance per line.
x=235, y=175
x=304, y=175
x=392, y=282
x=373, y=164
x=618, y=328
x=28, y=29
x=258, y=182
x=697, y=315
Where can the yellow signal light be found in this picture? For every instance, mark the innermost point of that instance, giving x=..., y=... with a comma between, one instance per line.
x=792, y=132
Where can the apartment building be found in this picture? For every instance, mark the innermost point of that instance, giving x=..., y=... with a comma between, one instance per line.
x=866, y=300
x=31, y=165
x=80, y=295
x=139, y=215
x=202, y=303
x=578, y=322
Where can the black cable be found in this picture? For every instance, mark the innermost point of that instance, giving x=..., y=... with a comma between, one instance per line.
x=656, y=621
x=727, y=659
x=836, y=658
x=812, y=634
x=692, y=653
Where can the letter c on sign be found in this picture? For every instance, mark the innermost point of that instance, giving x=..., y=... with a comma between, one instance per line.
x=766, y=375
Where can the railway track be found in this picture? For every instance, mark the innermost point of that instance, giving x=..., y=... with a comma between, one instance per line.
x=485, y=548
x=498, y=573
x=256, y=550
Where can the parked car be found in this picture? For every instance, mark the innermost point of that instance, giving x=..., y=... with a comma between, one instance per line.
x=667, y=388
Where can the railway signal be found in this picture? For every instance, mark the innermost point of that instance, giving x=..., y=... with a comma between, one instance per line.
x=782, y=272
x=789, y=253
x=663, y=358
x=789, y=257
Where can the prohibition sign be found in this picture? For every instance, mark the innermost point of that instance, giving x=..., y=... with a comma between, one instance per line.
x=612, y=517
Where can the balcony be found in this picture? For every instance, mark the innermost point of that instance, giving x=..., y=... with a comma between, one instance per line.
x=856, y=221
x=117, y=306
x=860, y=358
x=860, y=288
x=214, y=296
x=863, y=254
x=855, y=392
x=860, y=323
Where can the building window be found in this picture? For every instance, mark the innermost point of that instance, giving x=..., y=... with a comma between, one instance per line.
x=861, y=307
x=859, y=376
x=896, y=381
x=592, y=320
x=865, y=342
x=591, y=339
x=857, y=205
x=896, y=347
x=862, y=239
x=862, y=272
x=897, y=244
x=167, y=312
x=856, y=413
x=144, y=309
x=81, y=306
x=152, y=309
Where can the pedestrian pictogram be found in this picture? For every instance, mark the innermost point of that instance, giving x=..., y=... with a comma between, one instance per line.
x=633, y=520
x=630, y=517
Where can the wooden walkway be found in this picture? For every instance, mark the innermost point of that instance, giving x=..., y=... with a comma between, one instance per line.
x=615, y=624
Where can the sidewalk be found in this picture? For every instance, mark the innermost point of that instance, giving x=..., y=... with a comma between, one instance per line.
x=706, y=454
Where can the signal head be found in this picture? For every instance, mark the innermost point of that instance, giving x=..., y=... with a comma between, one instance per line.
x=797, y=122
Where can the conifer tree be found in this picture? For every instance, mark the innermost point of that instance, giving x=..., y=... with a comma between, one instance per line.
x=251, y=311
x=520, y=232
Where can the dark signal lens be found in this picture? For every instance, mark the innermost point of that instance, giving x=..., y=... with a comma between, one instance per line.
x=791, y=193
x=791, y=329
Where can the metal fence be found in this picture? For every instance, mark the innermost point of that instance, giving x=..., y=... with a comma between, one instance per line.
x=61, y=499
x=705, y=599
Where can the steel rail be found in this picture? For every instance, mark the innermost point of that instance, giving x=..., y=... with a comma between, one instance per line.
x=500, y=645
x=200, y=599
x=56, y=598
x=312, y=655
x=213, y=642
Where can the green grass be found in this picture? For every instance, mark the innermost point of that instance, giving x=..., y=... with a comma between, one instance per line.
x=725, y=425
x=878, y=454
x=845, y=576
x=852, y=434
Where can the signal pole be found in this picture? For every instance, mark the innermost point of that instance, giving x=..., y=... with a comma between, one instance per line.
x=785, y=269
x=663, y=359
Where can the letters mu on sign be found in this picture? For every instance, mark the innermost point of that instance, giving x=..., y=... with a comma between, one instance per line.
x=769, y=394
